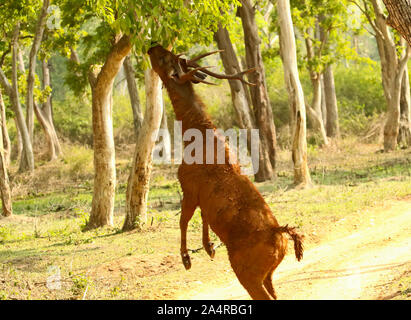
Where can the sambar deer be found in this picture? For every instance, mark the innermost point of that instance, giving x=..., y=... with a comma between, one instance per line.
x=230, y=203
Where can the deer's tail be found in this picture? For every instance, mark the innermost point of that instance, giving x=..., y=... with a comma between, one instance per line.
x=296, y=237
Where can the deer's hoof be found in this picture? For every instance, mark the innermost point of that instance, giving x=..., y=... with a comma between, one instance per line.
x=210, y=250
x=186, y=260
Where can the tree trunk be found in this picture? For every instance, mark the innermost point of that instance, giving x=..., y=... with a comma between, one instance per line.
x=404, y=136
x=314, y=111
x=166, y=136
x=38, y=36
x=400, y=17
x=139, y=179
x=323, y=102
x=4, y=179
x=45, y=118
x=5, y=133
x=27, y=157
x=101, y=81
x=19, y=143
x=333, y=128
x=133, y=93
x=392, y=69
x=295, y=95
x=262, y=108
x=45, y=125
x=239, y=91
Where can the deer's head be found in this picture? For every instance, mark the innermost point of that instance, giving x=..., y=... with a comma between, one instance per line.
x=171, y=67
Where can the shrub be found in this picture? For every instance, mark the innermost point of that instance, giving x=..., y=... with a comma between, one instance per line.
x=80, y=161
x=72, y=118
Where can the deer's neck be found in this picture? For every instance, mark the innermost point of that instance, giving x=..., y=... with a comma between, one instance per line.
x=188, y=107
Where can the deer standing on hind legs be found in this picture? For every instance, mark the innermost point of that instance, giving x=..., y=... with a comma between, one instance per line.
x=230, y=203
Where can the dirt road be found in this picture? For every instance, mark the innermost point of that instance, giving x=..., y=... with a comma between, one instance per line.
x=352, y=267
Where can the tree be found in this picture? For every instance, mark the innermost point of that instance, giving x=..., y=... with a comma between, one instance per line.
x=38, y=37
x=393, y=64
x=404, y=133
x=331, y=124
x=4, y=179
x=239, y=92
x=27, y=157
x=399, y=17
x=323, y=27
x=44, y=115
x=5, y=133
x=101, y=82
x=295, y=95
x=315, y=111
x=138, y=181
x=173, y=26
x=133, y=93
x=259, y=96
x=143, y=23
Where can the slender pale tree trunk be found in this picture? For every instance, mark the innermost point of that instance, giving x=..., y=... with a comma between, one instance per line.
x=314, y=110
x=19, y=143
x=239, y=92
x=166, y=136
x=400, y=17
x=4, y=178
x=263, y=114
x=332, y=125
x=5, y=132
x=27, y=157
x=38, y=36
x=139, y=179
x=45, y=117
x=101, y=81
x=295, y=95
x=22, y=70
x=404, y=136
x=323, y=102
x=133, y=93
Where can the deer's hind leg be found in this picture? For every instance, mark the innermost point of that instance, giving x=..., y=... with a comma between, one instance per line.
x=268, y=283
x=253, y=283
x=251, y=268
x=278, y=248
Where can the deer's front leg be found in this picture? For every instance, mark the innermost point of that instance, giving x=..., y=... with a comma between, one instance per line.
x=187, y=211
x=207, y=244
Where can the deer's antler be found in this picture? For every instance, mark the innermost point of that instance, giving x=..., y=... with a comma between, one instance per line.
x=198, y=73
x=236, y=76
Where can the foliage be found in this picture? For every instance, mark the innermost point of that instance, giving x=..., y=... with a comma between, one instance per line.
x=324, y=24
x=72, y=118
x=360, y=96
x=177, y=23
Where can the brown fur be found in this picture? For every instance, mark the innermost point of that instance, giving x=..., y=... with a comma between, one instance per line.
x=230, y=203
